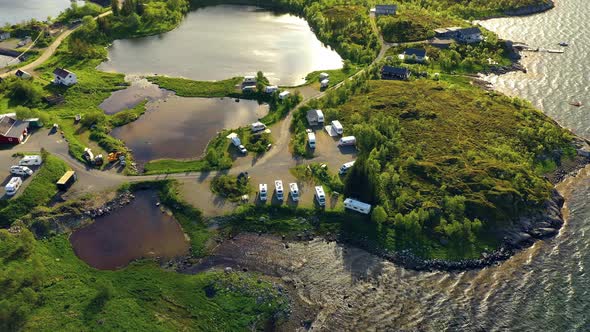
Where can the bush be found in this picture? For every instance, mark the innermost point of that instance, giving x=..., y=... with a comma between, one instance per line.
x=230, y=186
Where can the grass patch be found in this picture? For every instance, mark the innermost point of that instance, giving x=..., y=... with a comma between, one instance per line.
x=318, y=174
x=206, y=89
x=40, y=190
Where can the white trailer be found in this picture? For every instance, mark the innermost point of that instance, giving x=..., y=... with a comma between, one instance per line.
x=324, y=76
x=347, y=141
x=12, y=186
x=284, y=94
x=263, y=192
x=324, y=84
x=249, y=79
x=30, y=161
x=279, y=189
x=271, y=88
x=20, y=170
x=257, y=126
x=294, y=190
x=345, y=167
x=320, y=196
x=357, y=206
x=337, y=127
x=320, y=116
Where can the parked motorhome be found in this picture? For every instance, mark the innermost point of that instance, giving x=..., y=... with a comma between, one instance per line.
x=324, y=76
x=66, y=181
x=311, y=140
x=271, y=88
x=20, y=170
x=315, y=117
x=249, y=88
x=257, y=126
x=357, y=206
x=337, y=126
x=235, y=140
x=249, y=79
x=284, y=94
x=34, y=160
x=263, y=191
x=294, y=190
x=12, y=186
x=279, y=189
x=324, y=83
x=320, y=196
x=347, y=141
x=345, y=167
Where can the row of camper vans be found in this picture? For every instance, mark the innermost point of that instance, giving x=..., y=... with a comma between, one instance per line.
x=320, y=196
x=21, y=170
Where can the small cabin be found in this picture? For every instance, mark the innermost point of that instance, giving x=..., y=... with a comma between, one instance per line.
x=358, y=206
x=12, y=130
x=22, y=74
x=394, y=73
x=469, y=35
x=415, y=54
x=64, y=77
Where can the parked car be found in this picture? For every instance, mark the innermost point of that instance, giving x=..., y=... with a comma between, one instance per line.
x=20, y=170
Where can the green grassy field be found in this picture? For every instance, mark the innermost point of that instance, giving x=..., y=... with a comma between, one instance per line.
x=47, y=288
x=206, y=89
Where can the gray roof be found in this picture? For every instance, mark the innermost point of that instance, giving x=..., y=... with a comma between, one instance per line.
x=395, y=70
x=17, y=129
x=6, y=123
x=386, y=7
x=420, y=53
x=63, y=73
x=469, y=31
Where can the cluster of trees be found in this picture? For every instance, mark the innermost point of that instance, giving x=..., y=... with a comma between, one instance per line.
x=472, y=9
x=230, y=186
x=413, y=22
x=21, y=91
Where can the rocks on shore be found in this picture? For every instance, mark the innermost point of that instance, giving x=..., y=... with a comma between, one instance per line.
x=120, y=201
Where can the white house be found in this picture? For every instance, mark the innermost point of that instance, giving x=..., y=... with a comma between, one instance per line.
x=4, y=35
x=64, y=76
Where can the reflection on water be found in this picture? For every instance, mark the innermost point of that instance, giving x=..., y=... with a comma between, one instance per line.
x=220, y=42
x=180, y=128
x=13, y=12
x=139, y=90
x=137, y=230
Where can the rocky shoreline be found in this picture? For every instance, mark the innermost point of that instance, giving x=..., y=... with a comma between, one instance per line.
x=530, y=10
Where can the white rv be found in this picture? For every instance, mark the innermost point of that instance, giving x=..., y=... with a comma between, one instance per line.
x=13, y=185
x=294, y=191
x=249, y=79
x=284, y=94
x=320, y=196
x=271, y=88
x=337, y=126
x=324, y=76
x=31, y=161
x=235, y=140
x=347, y=140
x=345, y=167
x=257, y=126
x=279, y=189
x=262, y=192
x=357, y=206
x=324, y=84
x=320, y=116
x=311, y=140
x=20, y=170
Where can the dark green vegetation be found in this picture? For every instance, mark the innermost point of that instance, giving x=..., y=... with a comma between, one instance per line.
x=318, y=174
x=458, y=58
x=231, y=187
x=47, y=288
x=40, y=191
x=189, y=88
x=452, y=166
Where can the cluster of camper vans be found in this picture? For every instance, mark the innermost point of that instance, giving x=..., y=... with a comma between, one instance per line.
x=249, y=85
x=21, y=171
x=294, y=193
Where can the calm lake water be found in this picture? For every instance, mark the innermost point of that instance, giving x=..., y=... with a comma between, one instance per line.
x=180, y=128
x=220, y=42
x=137, y=230
x=543, y=288
x=17, y=11
x=139, y=90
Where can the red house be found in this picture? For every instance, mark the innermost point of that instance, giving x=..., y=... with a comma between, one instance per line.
x=12, y=131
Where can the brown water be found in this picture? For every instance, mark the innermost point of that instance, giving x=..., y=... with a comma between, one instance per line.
x=138, y=230
x=180, y=128
x=139, y=90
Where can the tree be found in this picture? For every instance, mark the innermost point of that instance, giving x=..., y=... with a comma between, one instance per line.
x=24, y=92
x=115, y=7
x=378, y=215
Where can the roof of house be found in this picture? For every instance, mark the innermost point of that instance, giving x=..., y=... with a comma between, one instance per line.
x=469, y=31
x=17, y=128
x=386, y=7
x=6, y=122
x=415, y=51
x=395, y=70
x=3, y=31
x=63, y=73
x=20, y=73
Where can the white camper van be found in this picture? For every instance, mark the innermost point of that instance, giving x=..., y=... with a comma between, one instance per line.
x=284, y=94
x=258, y=126
x=279, y=189
x=271, y=88
x=20, y=170
x=324, y=84
x=294, y=190
x=324, y=76
x=320, y=116
x=337, y=126
x=13, y=185
x=311, y=140
x=357, y=206
x=249, y=79
x=345, y=167
x=347, y=140
x=31, y=161
x=320, y=196
x=263, y=192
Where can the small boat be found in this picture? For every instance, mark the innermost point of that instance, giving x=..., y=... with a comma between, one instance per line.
x=555, y=51
x=576, y=103
x=564, y=44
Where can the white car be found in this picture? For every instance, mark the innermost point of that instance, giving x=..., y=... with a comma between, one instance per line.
x=242, y=149
x=20, y=170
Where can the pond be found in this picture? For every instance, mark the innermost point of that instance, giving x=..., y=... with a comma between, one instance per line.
x=12, y=12
x=137, y=230
x=139, y=90
x=180, y=128
x=220, y=42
